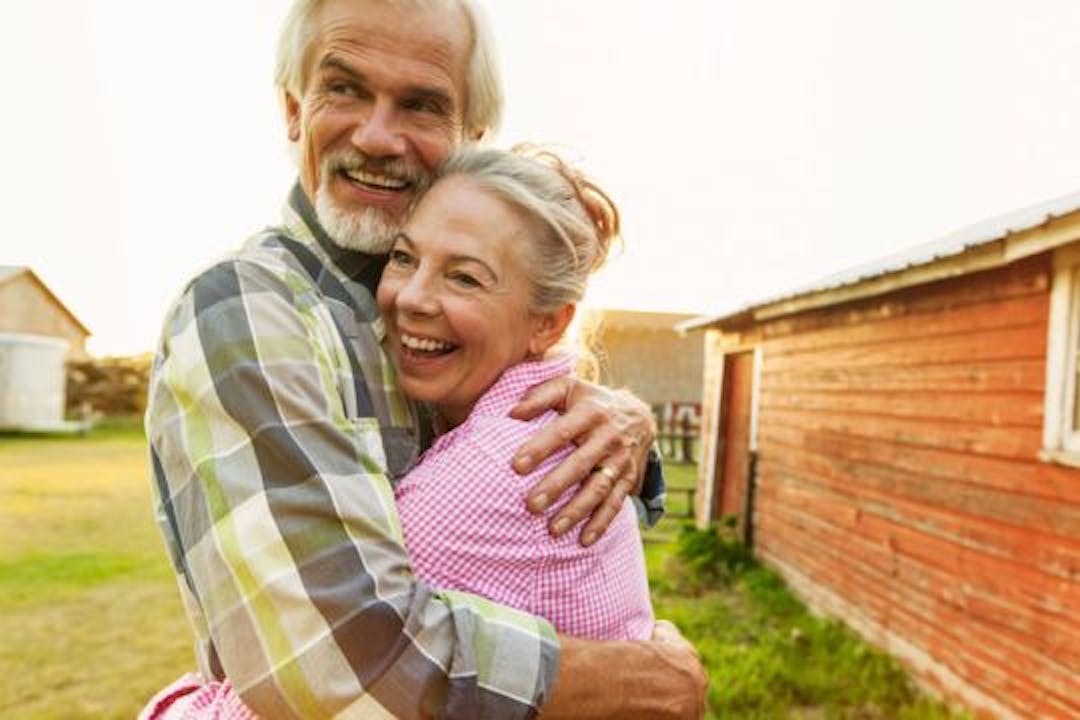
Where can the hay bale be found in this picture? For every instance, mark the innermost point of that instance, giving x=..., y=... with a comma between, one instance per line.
x=109, y=387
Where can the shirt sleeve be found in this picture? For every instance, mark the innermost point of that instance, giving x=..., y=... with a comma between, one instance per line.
x=650, y=503
x=282, y=525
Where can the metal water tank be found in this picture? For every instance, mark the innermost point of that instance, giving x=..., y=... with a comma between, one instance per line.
x=32, y=382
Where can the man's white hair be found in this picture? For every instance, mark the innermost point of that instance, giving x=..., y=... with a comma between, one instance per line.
x=483, y=86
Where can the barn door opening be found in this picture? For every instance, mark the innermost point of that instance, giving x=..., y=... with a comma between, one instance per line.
x=733, y=440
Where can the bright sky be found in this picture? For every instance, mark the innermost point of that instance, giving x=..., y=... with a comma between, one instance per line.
x=753, y=144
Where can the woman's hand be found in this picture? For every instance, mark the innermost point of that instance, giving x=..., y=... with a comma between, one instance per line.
x=613, y=431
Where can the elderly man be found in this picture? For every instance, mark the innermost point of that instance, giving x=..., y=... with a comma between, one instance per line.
x=276, y=426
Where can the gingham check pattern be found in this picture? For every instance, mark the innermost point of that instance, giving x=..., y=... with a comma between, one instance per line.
x=192, y=698
x=274, y=423
x=466, y=527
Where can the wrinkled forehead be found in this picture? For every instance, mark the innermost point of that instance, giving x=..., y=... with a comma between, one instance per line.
x=433, y=32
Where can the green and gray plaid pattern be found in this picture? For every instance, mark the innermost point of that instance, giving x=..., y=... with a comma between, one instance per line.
x=276, y=428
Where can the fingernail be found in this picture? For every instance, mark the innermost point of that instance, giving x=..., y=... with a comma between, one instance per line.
x=522, y=463
x=561, y=525
x=538, y=502
x=588, y=538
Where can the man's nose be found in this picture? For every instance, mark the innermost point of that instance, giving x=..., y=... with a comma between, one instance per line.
x=379, y=135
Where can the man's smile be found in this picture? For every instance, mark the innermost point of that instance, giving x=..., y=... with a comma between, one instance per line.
x=375, y=181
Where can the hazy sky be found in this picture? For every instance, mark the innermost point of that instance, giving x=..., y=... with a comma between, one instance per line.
x=753, y=144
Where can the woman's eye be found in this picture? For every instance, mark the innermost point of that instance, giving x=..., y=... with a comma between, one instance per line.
x=465, y=280
x=401, y=258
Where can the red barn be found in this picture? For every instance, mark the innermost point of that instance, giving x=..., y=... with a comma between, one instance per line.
x=902, y=443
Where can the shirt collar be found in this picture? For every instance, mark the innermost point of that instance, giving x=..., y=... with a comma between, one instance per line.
x=302, y=223
x=516, y=380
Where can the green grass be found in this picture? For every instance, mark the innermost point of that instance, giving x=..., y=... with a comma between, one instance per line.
x=90, y=618
x=766, y=655
x=91, y=624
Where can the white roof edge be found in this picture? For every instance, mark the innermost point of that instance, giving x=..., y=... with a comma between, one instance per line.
x=974, y=236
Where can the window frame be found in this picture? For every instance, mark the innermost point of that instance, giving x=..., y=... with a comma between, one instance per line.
x=1061, y=436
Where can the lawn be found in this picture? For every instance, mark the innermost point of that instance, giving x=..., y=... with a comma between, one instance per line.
x=91, y=624
x=90, y=619
x=766, y=655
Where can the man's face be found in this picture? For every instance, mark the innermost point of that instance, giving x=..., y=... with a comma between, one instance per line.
x=384, y=104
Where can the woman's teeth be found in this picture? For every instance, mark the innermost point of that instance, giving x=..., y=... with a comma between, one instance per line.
x=383, y=182
x=429, y=345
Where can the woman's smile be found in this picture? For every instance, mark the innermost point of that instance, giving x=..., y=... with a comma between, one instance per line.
x=456, y=297
x=425, y=346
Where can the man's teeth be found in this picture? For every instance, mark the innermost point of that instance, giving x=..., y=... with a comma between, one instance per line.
x=381, y=181
x=424, y=344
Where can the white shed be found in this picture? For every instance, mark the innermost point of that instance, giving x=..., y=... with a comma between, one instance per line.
x=32, y=382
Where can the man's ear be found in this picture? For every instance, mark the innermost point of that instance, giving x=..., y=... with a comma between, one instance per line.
x=550, y=329
x=292, y=115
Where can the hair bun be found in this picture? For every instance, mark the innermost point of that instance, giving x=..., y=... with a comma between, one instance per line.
x=597, y=205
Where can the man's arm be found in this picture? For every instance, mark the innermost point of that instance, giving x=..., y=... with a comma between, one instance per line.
x=631, y=680
x=614, y=434
x=284, y=528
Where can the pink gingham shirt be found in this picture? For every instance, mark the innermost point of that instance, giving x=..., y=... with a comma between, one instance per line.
x=462, y=509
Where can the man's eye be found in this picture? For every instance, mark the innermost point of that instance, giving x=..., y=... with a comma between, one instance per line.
x=343, y=88
x=424, y=105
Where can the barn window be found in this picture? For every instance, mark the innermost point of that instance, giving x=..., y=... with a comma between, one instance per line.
x=1061, y=432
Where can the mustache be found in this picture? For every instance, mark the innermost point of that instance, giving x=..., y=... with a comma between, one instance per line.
x=354, y=160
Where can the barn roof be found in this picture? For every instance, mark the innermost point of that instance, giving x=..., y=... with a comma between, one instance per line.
x=985, y=243
x=638, y=319
x=10, y=272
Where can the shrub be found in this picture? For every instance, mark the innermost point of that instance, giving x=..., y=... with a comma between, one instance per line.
x=713, y=557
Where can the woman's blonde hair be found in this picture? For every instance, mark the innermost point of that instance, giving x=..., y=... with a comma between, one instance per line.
x=576, y=223
x=483, y=85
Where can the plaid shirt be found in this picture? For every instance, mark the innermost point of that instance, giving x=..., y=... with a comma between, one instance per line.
x=275, y=423
x=466, y=527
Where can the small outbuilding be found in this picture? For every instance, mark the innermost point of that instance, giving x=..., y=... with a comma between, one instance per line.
x=641, y=350
x=29, y=307
x=901, y=442
x=32, y=383
x=38, y=336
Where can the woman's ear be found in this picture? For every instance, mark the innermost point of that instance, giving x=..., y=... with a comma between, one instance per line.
x=550, y=329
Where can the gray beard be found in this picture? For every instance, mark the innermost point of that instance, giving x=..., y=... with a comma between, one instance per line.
x=369, y=231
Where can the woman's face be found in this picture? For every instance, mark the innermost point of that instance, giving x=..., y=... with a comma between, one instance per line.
x=455, y=297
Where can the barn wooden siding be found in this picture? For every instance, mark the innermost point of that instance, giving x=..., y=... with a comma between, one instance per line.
x=899, y=485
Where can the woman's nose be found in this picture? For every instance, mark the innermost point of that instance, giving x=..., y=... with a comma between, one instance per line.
x=418, y=295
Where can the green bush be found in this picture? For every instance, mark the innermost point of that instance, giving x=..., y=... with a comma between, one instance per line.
x=713, y=557
x=766, y=655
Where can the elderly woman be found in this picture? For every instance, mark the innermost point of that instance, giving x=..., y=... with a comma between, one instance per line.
x=480, y=287
x=479, y=290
